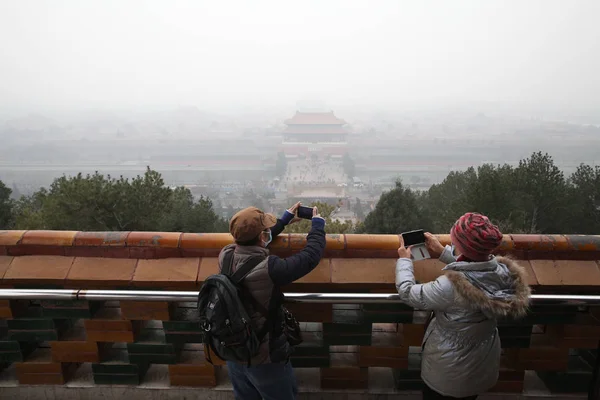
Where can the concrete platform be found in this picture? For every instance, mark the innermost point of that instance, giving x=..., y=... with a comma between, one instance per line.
x=156, y=387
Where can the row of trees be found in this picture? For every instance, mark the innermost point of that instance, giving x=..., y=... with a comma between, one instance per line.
x=99, y=203
x=533, y=197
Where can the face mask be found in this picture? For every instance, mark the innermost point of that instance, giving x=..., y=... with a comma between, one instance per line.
x=270, y=239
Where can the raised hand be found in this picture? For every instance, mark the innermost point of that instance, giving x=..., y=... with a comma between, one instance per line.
x=316, y=213
x=433, y=245
x=403, y=252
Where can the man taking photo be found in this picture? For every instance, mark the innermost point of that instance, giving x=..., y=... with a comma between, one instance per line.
x=269, y=375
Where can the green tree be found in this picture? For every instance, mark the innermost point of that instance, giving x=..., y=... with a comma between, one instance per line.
x=348, y=166
x=6, y=206
x=398, y=210
x=445, y=202
x=95, y=202
x=493, y=193
x=531, y=198
x=584, y=200
x=541, y=191
x=281, y=164
x=187, y=215
x=28, y=212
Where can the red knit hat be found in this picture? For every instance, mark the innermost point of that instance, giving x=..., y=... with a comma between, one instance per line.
x=475, y=236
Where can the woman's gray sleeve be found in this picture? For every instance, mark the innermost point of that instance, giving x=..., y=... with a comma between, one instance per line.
x=436, y=295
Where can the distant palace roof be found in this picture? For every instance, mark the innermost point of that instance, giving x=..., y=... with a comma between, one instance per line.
x=314, y=118
x=327, y=130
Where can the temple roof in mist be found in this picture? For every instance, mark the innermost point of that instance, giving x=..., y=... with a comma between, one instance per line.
x=321, y=130
x=314, y=118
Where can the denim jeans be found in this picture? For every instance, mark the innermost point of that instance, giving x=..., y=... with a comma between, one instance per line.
x=266, y=381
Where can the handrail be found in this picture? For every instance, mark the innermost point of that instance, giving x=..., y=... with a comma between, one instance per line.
x=191, y=296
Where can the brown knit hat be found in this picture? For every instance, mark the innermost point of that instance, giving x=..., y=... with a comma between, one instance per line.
x=248, y=223
x=475, y=236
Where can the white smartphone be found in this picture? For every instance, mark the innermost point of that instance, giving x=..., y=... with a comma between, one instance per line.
x=416, y=239
x=419, y=252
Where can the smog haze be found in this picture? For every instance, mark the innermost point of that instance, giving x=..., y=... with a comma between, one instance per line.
x=229, y=55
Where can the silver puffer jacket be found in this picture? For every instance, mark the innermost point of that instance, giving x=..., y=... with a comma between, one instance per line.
x=461, y=352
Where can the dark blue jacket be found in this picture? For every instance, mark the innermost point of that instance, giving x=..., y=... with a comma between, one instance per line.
x=265, y=280
x=284, y=271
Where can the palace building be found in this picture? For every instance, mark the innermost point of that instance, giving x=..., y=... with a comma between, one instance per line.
x=320, y=134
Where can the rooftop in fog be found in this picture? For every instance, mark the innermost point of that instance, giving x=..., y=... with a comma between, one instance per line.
x=316, y=118
x=328, y=130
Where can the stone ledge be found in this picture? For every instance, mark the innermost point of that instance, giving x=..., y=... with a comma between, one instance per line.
x=176, y=244
x=332, y=274
x=90, y=260
x=156, y=386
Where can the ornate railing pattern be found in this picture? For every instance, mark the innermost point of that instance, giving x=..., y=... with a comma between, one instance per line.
x=45, y=340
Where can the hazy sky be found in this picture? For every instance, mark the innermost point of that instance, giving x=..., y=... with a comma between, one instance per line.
x=215, y=54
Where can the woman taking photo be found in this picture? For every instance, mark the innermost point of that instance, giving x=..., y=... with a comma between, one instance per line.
x=461, y=346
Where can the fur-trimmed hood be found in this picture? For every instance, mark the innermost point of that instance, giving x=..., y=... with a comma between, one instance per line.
x=498, y=286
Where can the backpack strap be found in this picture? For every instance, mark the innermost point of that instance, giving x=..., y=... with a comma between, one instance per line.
x=227, y=263
x=247, y=267
x=238, y=276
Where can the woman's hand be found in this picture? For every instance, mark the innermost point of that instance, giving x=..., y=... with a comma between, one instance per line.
x=433, y=245
x=403, y=252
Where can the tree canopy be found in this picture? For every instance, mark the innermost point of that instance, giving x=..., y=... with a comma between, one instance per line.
x=398, y=210
x=6, y=206
x=532, y=197
x=95, y=202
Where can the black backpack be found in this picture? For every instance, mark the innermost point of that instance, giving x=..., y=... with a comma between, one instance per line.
x=223, y=303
